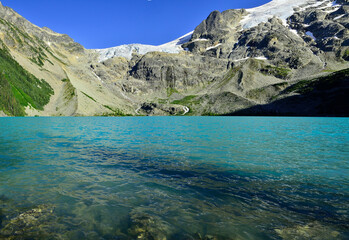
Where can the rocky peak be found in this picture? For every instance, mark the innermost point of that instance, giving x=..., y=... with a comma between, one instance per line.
x=218, y=25
x=217, y=29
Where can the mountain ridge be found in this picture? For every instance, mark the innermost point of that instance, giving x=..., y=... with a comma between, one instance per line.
x=223, y=67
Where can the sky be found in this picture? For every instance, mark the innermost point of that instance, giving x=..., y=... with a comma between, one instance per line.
x=108, y=23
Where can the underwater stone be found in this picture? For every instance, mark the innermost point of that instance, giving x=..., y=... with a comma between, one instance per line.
x=27, y=221
x=314, y=231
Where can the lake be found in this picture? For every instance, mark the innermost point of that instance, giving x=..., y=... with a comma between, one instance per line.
x=174, y=178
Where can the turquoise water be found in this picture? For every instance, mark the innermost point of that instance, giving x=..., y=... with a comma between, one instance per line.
x=174, y=178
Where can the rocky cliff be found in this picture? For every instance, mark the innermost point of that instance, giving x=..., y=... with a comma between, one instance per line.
x=283, y=58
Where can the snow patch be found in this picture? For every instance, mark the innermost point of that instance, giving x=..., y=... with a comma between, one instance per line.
x=294, y=31
x=278, y=8
x=94, y=74
x=200, y=39
x=213, y=47
x=339, y=17
x=332, y=6
x=261, y=58
x=128, y=50
x=315, y=5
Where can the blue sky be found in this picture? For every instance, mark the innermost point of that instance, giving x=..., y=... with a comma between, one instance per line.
x=108, y=23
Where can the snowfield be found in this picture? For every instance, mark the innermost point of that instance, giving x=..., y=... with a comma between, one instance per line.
x=278, y=8
x=126, y=51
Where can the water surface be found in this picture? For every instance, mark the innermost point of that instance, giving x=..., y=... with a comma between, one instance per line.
x=174, y=178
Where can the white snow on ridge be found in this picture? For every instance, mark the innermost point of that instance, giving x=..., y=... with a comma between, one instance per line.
x=278, y=8
x=126, y=51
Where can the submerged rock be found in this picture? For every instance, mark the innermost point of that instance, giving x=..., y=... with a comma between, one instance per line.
x=198, y=236
x=146, y=227
x=28, y=223
x=314, y=231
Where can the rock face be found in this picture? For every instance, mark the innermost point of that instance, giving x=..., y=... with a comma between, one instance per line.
x=275, y=42
x=217, y=30
x=225, y=66
x=177, y=71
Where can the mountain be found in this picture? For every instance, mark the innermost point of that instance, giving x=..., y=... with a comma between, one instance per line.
x=287, y=57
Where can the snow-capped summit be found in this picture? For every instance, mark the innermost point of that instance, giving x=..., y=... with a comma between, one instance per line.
x=126, y=51
x=278, y=8
x=275, y=8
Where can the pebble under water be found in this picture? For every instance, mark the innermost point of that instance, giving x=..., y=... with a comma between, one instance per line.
x=174, y=178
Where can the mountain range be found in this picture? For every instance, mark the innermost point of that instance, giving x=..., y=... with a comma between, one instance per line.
x=285, y=58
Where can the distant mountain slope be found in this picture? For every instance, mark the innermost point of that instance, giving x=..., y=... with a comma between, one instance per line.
x=243, y=61
x=323, y=96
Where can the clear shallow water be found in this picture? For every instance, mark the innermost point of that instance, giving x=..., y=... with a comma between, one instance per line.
x=174, y=178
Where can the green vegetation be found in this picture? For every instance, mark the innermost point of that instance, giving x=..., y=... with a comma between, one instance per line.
x=280, y=85
x=300, y=87
x=14, y=31
x=255, y=93
x=69, y=89
x=89, y=97
x=184, y=101
x=40, y=57
x=35, y=45
x=115, y=112
x=171, y=91
x=268, y=92
x=38, y=61
x=279, y=72
x=22, y=88
x=230, y=74
x=211, y=114
x=8, y=102
x=328, y=70
x=162, y=101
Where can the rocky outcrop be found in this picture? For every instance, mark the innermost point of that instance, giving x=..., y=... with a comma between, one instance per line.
x=180, y=71
x=276, y=43
x=213, y=37
x=324, y=28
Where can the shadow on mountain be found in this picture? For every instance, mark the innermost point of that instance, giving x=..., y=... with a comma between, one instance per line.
x=325, y=96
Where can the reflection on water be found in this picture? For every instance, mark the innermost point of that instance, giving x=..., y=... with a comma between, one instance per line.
x=174, y=178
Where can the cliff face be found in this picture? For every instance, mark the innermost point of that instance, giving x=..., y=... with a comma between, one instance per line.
x=234, y=62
